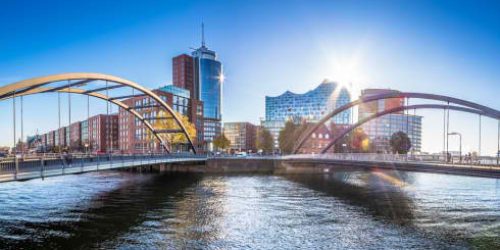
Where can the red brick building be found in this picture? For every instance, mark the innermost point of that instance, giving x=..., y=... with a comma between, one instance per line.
x=103, y=133
x=135, y=137
x=75, y=135
x=51, y=138
x=317, y=141
x=183, y=73
x=61, y=137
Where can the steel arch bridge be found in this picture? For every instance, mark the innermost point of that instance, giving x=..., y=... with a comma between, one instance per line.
x=463, y=106
x=72, y=82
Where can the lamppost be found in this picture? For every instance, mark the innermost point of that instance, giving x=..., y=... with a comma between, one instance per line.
x=460, y=136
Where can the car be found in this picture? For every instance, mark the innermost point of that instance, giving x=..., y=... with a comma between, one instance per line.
x=241, y=154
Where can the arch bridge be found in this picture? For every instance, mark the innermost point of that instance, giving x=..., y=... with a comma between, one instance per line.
x=74, y=83
x=451, y=103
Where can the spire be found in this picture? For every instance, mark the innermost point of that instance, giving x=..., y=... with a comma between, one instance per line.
x=202, y=34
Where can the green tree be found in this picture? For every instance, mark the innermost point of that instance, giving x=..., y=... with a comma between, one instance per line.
x=289, y=135
x=400, y=143
x=222, y=142
x=264, y=140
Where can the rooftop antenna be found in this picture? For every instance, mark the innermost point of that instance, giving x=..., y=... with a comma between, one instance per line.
x=202, y=34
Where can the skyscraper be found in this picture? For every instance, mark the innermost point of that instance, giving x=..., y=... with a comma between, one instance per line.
x=201, y=73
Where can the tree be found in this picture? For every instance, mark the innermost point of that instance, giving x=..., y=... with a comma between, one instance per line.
x=166, y=122
x=400, y=143
x=264, y=140
x=360, y=143
x=357, y=141
x=222, y=142
x=289, y=135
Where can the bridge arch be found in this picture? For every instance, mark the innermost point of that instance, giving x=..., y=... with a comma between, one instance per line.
x=402, y=108
x=306, y=134
x=105, y=98
x=36, y=85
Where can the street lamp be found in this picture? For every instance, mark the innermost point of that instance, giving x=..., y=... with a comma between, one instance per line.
x=460, y=136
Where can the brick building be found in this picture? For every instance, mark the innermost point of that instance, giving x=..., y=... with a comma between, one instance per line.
x=75, y=135
x=135, y=137
x=183, y=73
x=103, y=133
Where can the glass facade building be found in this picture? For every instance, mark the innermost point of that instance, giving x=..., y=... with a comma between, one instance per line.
x=180, y=98
x=311, y=106
x=381, y=129
x=208, y=79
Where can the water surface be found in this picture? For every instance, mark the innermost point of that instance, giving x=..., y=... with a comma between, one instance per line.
x=343, y=210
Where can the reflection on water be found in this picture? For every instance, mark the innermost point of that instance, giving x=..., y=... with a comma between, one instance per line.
x=354, y=210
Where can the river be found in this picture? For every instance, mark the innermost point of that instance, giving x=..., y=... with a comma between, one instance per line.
x=341, y=210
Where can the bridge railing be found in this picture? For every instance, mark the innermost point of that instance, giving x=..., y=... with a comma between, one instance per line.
x=45, y=162
x=421, y=158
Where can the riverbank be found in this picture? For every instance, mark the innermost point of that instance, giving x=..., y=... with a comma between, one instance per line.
x=311, y=166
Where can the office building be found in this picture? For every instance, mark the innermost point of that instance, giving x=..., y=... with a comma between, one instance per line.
x=75, y=136
x=103, y=133
x=242, y=136
x=201, y=73
x=183, y=73
x=381, y=129
x=61, y=137
x=135, y=137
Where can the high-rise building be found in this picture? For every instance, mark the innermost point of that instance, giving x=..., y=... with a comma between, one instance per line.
x=183, y=73
x=310, y=106
x=242, y=136
x=201, y=73
x=381, y=129
x=208, y=88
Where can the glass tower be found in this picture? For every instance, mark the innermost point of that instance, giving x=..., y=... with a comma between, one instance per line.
x=208, y=79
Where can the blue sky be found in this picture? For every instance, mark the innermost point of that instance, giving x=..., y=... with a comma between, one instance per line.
x=267, y=47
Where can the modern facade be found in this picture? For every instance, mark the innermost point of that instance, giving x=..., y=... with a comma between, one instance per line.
x=310, y=106
x=381, y=129
x=201, y=73
x=242, y=136
x=208, y=82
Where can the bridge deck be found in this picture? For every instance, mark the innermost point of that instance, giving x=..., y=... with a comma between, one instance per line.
x=43, y=167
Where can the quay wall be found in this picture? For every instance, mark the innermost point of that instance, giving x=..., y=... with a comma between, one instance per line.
x=311, y=166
